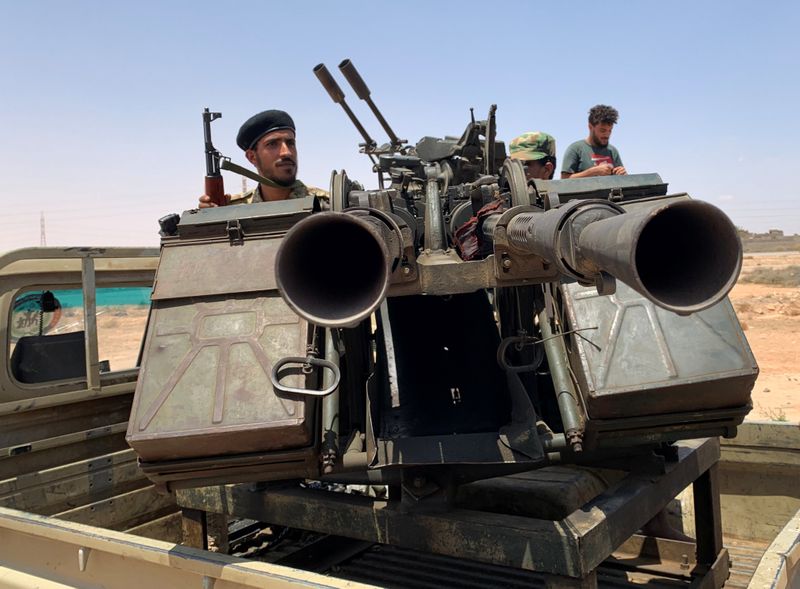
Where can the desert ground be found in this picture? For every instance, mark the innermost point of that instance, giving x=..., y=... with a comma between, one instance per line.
x=770, y=316
x=120, y=331
x=769, y=313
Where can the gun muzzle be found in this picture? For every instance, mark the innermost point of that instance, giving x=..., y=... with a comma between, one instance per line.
x=333, y=269
x=683, y=255
x=353, y=78
x=327, y=81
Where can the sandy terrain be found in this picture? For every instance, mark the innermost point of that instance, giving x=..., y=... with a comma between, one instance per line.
x=770, y=316
x=120, y=331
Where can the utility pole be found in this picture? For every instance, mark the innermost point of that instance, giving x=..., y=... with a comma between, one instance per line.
x=42, y=235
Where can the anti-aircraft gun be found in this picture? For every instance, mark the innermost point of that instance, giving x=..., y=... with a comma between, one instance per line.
x=457, y=323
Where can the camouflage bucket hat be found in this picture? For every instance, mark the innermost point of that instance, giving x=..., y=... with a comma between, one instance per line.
x=532, y=146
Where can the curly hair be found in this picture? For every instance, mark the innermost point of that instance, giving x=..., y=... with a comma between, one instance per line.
x=602, y=113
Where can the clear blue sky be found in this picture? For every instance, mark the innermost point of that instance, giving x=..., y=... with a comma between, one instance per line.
x=100, y=102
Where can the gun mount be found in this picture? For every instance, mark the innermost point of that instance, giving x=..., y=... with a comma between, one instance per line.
x=457, y=323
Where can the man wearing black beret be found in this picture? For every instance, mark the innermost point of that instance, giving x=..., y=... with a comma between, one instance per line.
x=268, y=141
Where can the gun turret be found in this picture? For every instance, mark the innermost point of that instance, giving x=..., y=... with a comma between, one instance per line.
x=462, y=323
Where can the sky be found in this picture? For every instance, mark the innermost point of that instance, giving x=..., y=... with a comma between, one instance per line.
x=101, y=102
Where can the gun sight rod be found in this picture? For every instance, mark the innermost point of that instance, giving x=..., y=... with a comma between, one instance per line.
x=362, y=91
x=207, y=118
x=336, y=94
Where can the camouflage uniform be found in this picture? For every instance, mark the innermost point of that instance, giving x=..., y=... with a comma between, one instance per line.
x=299, y=191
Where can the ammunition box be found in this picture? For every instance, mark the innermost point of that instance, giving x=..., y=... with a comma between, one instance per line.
x=632, y=358
x=204, y=401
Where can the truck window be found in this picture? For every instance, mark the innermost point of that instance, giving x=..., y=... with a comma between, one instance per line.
x=47, y=332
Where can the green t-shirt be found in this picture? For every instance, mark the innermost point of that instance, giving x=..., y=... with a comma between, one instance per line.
x=581, y=156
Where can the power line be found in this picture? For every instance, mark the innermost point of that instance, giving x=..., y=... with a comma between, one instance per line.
x=42, y=233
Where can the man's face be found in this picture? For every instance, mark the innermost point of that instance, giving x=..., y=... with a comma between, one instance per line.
x=600, y=134
x=275, y=156
x=536, y=170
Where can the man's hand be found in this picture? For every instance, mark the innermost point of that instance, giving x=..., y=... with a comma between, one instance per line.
x=205, y=201
x=619, y=171
x=603, y=169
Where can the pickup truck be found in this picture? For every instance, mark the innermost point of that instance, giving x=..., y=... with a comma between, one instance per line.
x=77, y=511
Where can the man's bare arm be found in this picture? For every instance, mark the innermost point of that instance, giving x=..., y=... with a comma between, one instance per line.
x=599, y=170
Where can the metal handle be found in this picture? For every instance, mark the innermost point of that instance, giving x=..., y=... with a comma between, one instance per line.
x=520, y=341
x=306, y=364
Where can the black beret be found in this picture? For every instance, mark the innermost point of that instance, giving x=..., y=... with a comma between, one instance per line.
x=259, y=125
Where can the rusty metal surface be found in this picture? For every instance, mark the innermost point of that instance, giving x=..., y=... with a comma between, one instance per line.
x=398, y=568
x=213, y=245
x=656, y=562
x=215, y=267
x=298, y=464
x=511, y=264
x=273, y=217
x=573, y=546
x=204, y=388
x=552, y=492
x=444, y=273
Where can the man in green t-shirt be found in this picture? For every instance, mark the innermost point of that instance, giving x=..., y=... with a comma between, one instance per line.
x=594, y=156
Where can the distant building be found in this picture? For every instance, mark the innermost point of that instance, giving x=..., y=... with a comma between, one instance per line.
x=775, y=234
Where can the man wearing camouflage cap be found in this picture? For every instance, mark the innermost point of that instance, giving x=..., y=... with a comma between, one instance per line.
x=537, y=151
x=268, y=141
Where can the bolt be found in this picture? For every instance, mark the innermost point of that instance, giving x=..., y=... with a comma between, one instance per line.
x=418, y=482
x=684, y=561
x=507, y=263
x=406, y=271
